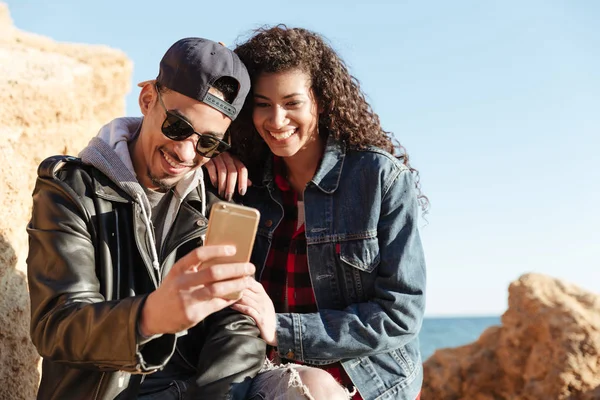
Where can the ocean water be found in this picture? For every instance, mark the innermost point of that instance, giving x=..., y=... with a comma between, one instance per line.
x=438, y=333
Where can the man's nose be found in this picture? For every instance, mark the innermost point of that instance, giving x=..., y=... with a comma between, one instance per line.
x=186, y=149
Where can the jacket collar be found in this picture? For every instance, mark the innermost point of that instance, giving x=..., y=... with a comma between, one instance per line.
x=106, y=189
x=327, y=177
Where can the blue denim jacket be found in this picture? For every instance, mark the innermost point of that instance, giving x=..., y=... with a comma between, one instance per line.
x=366, y=266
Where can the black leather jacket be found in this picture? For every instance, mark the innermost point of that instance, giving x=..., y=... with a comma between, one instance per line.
x=89, y=273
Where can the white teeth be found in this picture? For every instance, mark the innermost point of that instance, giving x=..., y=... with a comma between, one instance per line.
x=172, y=162
x=282, y=135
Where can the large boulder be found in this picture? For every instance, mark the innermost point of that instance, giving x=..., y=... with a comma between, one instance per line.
x=53, y=98
x=547, y=348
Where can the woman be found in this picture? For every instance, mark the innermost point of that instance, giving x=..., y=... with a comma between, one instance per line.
x=340, y=268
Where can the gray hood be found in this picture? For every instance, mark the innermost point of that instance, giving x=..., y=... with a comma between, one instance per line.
x=109, y=153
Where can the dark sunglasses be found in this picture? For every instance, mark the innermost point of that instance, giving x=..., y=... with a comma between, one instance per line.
x=176, y=128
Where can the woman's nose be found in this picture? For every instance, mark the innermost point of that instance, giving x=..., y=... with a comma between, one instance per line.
x=279, y=118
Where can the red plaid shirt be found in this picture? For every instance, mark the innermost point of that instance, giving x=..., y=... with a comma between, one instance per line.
x=285, y=276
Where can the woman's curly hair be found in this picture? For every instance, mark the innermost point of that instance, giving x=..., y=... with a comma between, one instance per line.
x=345, y=112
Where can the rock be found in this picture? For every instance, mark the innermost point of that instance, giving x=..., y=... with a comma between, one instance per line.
x=548, y=347
x=54, y=97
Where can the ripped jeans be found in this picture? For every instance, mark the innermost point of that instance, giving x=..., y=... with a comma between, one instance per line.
x=273, y=382
x=281, y=382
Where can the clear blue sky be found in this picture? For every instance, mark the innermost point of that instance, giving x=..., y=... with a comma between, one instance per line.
x=497, y=103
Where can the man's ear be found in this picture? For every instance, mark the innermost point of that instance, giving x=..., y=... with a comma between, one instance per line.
x=147, y=98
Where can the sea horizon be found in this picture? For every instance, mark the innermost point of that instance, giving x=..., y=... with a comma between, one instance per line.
x=452, y=331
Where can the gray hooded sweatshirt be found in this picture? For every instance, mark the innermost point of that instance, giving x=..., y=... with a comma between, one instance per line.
x=109, y=153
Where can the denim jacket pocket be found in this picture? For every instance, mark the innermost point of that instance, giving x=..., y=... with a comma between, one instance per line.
x=361, y=254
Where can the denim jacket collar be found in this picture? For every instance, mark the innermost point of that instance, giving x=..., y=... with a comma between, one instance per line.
x=327, y=177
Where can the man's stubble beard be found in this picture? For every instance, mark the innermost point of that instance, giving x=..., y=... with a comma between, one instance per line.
x=161, y=183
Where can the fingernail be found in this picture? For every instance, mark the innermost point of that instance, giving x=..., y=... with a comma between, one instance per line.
x=243, y=191
x=228, y=196
x=229, y=250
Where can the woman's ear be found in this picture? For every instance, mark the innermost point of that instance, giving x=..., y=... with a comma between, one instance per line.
x=317, y=100
x=147, y=98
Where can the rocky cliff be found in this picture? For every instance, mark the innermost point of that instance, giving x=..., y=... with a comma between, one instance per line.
x=53, y=99
x=547, y=348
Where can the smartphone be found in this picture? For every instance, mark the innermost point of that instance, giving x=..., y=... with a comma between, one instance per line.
x=233, y=224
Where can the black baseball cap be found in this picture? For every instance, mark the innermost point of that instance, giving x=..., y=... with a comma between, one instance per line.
x=192, y=65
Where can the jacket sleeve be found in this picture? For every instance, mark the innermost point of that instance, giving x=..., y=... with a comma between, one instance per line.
x=393, y=316
x=71, y=322
x=231, y=356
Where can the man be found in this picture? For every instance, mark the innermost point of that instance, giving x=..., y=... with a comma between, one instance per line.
x=121, y=305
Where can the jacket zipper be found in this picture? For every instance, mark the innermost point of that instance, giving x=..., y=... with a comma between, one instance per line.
x=193, y=236
x=144, y=254
x=176, y=247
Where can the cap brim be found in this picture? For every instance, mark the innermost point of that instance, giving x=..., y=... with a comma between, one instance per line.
x=144, y=83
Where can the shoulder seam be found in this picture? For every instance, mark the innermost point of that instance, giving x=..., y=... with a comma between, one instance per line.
x=51, y=165
x=397, y=163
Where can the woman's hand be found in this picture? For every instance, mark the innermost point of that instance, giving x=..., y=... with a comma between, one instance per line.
x=224, y=172
x=257, y=304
